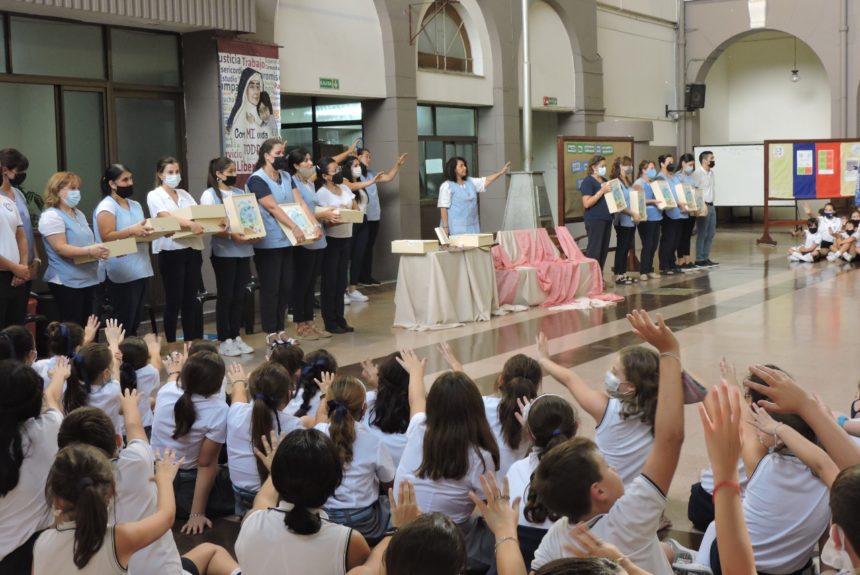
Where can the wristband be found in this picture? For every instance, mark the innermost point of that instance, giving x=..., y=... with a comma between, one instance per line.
x=672, y=355
x=192, y=515
x=841, y=420
x=728, y=483
x=504, y=540
x=171, y=373
x=390, y=532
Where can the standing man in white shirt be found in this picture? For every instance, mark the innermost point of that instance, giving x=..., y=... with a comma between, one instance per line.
x=706, y=226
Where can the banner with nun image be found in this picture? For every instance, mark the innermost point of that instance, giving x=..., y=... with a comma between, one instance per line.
x=250, y=88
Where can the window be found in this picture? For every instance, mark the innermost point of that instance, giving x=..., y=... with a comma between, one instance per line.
x=139, y=57
x=443, y=43
x=323, y=126
x=83, y=143
x=146, y=131
x=54, y=48
x=444, y=132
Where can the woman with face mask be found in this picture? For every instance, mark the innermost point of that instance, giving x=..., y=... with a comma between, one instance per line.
x=598, y=220
x=354, y=178
x=67, y=235
x=672, y=220
x=685, y=176
x=180, y=261
x=625, y=221
x=118, y=217
x=231, y=261
x=649, y=228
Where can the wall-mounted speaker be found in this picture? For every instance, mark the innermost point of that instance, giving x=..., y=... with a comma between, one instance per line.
x=694, y=96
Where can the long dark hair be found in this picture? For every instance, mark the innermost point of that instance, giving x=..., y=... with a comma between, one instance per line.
x=792, y=420
x=87, y=365
x=642, y=368
x=295, y=157
x=306, y=471
x=246, y=75
x=551, y=421
x=290, y=356
x=112, y=174
x=684, y=158
x=16, y=343
x=431, y=544
x=217, y=165
x=451, y=168
x=456, y=424
x=202, y=374
x=88, y=425
x=521, y=376
x=82, y=478
x=135, y=355
x=270, y=387
x=390, y=412
x=316, y=362
x=345, y=406
x=20, y=400
x=64, y=337
x=322, y=169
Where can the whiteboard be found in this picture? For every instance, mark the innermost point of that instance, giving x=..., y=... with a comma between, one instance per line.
x=739, y=175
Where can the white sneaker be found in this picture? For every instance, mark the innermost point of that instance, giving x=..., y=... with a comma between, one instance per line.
x=833, y=256
x=356, y=295
x=794, y=257
x=242, y=346
x=346, y=300
x=847, y=256
x=229, y=349
x=807, y=258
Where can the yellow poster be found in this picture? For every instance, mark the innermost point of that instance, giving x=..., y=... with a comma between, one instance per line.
x=780, y=181
x=849, y=167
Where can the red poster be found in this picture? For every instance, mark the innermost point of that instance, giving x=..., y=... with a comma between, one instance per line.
x=828, y=179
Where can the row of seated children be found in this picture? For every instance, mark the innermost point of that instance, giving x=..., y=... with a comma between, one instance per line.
x=828, y=236
x=454, y=440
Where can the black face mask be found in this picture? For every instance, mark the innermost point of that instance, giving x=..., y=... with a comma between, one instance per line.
x=124, y=191
x=813, y=230
x=337, y=179
x=713, y=163
x=856, y=222
x=18, y=179
x=280, y=163
x=671, y=167
x=229, y=180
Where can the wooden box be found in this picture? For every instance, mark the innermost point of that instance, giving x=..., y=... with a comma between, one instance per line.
x=302, y=218
x=244, y=216
x=208, y=212
x=663, y=194
x=160, y=227
x=472, y=240
x=615, y=198
x=117, y=248
x=419, y=247
x=350, y=216
x=637, y=204
x=685, y=191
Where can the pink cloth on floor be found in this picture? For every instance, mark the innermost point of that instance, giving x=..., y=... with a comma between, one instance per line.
x=574, y=254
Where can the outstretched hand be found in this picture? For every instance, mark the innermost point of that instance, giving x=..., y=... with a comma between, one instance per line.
x=783, y=393
x=404, y=508
x=721, y=414
x=591, y=546
x=411, y=362
x=325, y=381
x=500, y=513
x=657, y=334
x=449, y=356
x=91, y=330
x=270, y=446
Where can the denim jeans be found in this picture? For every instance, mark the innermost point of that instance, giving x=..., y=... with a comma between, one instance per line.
x=706, y=229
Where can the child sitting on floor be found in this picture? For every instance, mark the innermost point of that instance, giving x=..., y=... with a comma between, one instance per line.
x=810, y=251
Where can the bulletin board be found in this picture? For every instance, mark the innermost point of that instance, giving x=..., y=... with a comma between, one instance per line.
x=574, y=152
x=807, y=170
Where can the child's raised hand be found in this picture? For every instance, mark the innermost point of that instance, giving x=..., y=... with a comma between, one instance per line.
x=410, y=362
x=325, y=381
x=657, y=334
x=62, y=368
x=761, y=420
x=405, y=509
x=129, y=402
x=270, y=446
x=522, y=404
x=500, y=513
x=542, y=346
x=91, y=329
x=590, y=545
x=167, y=466
x=449, y=356
x=153, y=344
x=173, y=363
x=236, y=373
x=721, y=414
x=785, y=395
x=370, y=372
x=114, y=333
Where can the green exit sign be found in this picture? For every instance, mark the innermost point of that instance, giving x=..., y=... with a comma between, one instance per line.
x=550, y=101
x=329, y=84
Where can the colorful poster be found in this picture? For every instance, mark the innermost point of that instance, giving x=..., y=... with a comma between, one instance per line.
x=828, y=179
x=574, y=154
x=803, y=164
x=850, y=168
x=250, y=88
x=804, y=171
x=780, y=181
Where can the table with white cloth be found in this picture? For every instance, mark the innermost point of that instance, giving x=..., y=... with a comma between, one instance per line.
x=445, y=289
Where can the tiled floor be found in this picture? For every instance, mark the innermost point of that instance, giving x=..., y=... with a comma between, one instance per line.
x=754, y=308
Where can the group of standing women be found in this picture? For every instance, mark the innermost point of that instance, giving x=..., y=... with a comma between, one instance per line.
x=667, y=229
x=287, y=274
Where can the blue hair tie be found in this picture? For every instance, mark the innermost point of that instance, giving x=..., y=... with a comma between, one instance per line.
x=337, y=409
x=556, y=431
x=270, y=403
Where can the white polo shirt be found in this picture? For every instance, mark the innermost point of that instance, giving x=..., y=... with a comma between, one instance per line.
x=447, y=496
x=211, y=424
x=624, y=443
x=10, y=221
x=631, y=525
x=519, y=481
x=106, y=397
x=24, y=510
x=395, y=442
x=241, y=460
x=444, y=200
x=371, y=465
x=158, y=200
x=507, y=455
x=344, y=200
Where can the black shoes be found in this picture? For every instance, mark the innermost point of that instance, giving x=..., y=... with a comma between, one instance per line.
x=369, y=282
x=339, y=328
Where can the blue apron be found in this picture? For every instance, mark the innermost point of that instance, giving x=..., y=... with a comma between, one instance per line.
x=309, y=195
x=672, y=213
x=225, y=247
x=463, y=213
x=78, y=234
x=283, y=194
x=374, y=210
x=133, y=266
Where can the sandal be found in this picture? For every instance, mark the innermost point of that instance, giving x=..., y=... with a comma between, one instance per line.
x=624, y=280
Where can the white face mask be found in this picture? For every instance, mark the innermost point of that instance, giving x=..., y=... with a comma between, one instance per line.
x=172, y=180
x=356, y=172
x=688, y=169
x=612, y=384
x=601, y=171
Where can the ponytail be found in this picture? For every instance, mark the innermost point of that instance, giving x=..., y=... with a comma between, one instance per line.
x=316, y=362
x=345, y=407
x=135, y=355
x=202, y=374
x=16, y=343
x=82, y=479
x=64, y=338
x=20, y=400
x=511, y=391
x=184, y=415
x=87, y=365
x=302, y=521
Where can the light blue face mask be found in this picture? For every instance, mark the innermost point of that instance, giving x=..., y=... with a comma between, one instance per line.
x=612, y=384
x=73, y=198
x=651, y=173
x=601, y=171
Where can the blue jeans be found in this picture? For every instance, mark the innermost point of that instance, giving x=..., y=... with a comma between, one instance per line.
x=244, y=500
x=706, y=229
x=371, y=521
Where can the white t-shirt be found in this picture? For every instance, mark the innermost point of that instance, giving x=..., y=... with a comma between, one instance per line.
x=444, y=200
x=241, y=460
x=266, y=546
x=786, y=510
x=371, y=465
x=106, y=397
x=137, y=498
x=296, y=403
x=158, y=201
x=148, y=380
x=507, y=455
x=828, y=226
x=447, y=496
x=54, y=551
x=24, y=510
x=211, y=423
x=707, y=477
x=326, y=198
x=395, y=442
x=624, y=443
x=812, y=240
x=519, y=480
x=631, y=525
x=704, y=180
x=10, y=221
x=43, y=368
